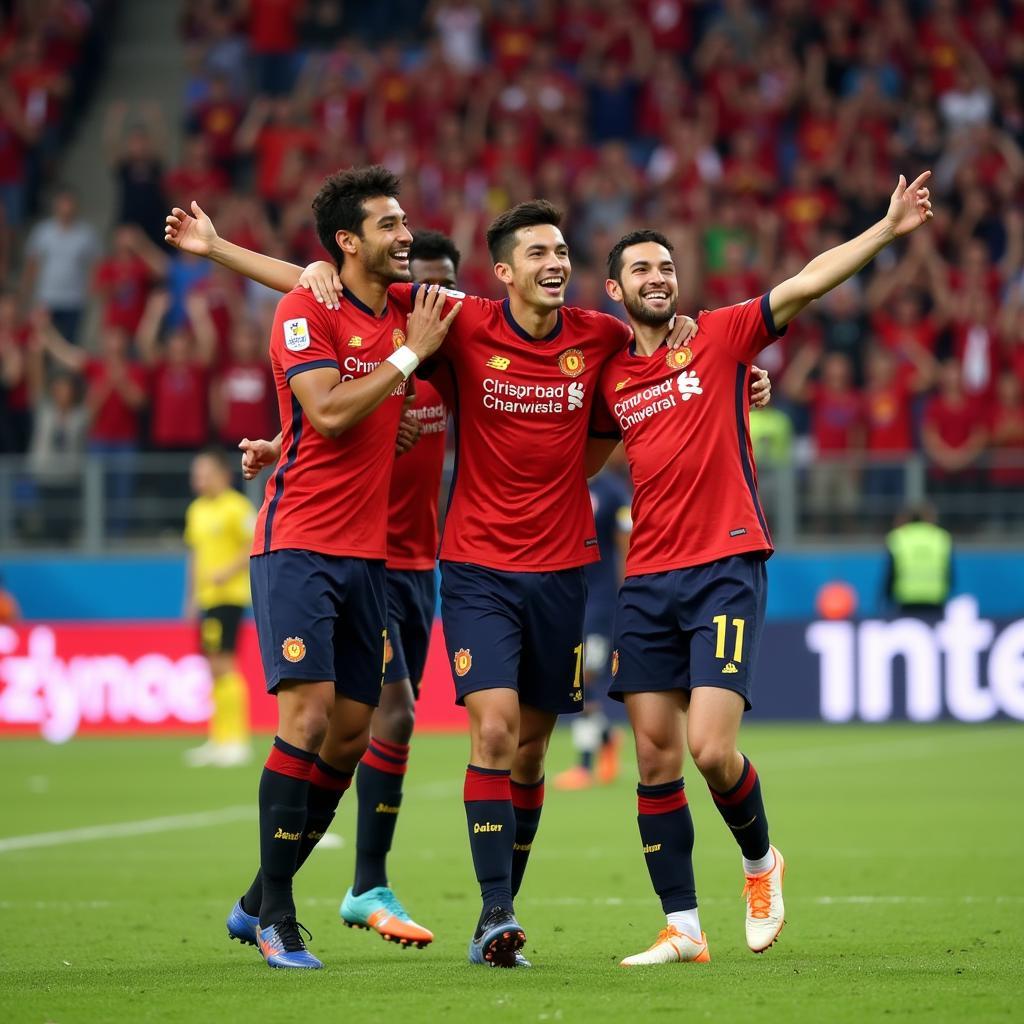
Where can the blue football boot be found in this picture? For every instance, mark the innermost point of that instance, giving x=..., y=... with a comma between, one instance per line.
x=282, y=946
x=497, y=940
x=242, y=926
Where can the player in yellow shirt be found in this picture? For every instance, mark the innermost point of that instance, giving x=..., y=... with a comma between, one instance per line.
x=218, y=532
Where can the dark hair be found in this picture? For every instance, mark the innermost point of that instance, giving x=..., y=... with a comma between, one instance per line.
x=432, y=245
x=217, y=455
x=502, y=232
x=338, y=206
x=633, y=238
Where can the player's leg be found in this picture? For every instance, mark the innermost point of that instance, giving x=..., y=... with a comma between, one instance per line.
x=230, y=691
x=591, y=731
x=535, y=728
x=211, y=640
x=727, y=623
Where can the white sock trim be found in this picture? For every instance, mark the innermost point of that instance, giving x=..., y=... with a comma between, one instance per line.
x=687, y=922
x=760, y=866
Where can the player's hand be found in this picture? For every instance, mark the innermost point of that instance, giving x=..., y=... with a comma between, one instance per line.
x=322, y=279
x=257, y=455
x=760, y=388
x=427, y=328
x=910, y=206
x=408, y=433
x=684, y=328
x=195, y=234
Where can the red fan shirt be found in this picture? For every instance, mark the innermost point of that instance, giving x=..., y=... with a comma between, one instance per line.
x=330, y=494
x=179, y=405
x=247, y=392
x=683, y=418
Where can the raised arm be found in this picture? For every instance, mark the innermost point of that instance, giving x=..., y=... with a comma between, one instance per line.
x=196, y=234
x=909, y=208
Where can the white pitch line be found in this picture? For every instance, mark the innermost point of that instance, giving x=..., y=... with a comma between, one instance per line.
x=123, y=829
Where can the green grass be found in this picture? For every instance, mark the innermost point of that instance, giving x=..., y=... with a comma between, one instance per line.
x=905, y=897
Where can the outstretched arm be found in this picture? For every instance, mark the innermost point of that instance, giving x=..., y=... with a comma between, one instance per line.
x=909, y=208
x=196, y=234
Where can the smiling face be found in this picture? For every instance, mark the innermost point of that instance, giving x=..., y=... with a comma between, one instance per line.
x=538, y=269
x=382, y=246
x=646, y=284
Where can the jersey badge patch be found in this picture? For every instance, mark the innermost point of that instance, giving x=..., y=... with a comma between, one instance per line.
x=463, y=661
x=679, y=358
x=296, y=334
x=294, y=649
x=570, y=362
x=398, y=338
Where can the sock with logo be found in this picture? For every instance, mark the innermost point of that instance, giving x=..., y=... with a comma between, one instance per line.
x=379, y=788
x=327, y=785
x=527, y=802
x=743, y=811
x=230, y=720
x=284, y=789
x=666, y=830
x=492, y=831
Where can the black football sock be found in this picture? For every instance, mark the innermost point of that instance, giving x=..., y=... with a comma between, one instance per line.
x=492, y=832
x=527, y=802
x=284, y=786
x=743, y=811
x=666, y=830
x=327, y=786
x=379, y=788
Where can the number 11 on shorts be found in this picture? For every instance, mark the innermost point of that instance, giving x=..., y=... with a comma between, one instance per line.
x=721, y=626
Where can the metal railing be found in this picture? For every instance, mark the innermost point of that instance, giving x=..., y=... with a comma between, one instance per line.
x=133, y=500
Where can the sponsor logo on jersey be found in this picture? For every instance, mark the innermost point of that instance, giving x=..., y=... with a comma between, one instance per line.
x=486, y=827
x=296, y=334
x=355, y=341
x=398, y=338
x=730, y=670
x=498, y=362
x=615, y=662
x=570, y=362
x=281, y=834
x=619, y=385
x=575, y=395
x=679, y=358
x=652, y=848
x=688, y=384
x=463, y=661
x=294, y=649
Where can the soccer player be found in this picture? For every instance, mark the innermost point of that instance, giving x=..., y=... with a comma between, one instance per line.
x=218, y=533
x=321, y=536
x=691, y=608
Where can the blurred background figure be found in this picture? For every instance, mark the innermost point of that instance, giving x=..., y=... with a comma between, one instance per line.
x=218, y=533
x=920, y=567
x=9, y=610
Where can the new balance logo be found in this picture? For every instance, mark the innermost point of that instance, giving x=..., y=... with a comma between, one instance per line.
x=652, y=848
x=355, y=341
x=688, y=384
x=575, y=395
x=486, y=827
x=281, y=834
x=498, y=363
x=383, y=808
x=730, y=670
x=622, y=383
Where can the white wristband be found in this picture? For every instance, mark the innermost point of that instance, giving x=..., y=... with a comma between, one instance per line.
x=404, y=360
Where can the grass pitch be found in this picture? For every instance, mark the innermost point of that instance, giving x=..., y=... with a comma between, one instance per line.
x=904, y=893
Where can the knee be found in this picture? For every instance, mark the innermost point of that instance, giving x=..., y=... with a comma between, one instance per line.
x=495, y=740
x=657, y=759
x=307, y=725
x=714, y=760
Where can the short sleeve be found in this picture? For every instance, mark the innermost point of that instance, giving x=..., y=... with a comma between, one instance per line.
x=602, y=422
x=302, y=337
x=744, y=329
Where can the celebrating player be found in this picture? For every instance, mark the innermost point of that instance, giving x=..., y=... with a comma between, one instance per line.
x=218, y=533
x=321, y=537
x=691, y=608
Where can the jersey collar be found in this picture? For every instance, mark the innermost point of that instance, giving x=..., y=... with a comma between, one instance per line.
x=506, y=308
x=349, y=296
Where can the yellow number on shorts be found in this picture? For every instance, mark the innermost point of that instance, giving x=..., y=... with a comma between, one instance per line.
x=720, y=623
x=578, y=651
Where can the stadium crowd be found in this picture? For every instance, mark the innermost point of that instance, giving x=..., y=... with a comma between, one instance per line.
x=753, y=135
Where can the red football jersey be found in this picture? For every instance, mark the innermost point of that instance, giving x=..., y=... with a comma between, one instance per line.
x=519, y=500
x=415, y=486
x=330, y=495
x=684, y=420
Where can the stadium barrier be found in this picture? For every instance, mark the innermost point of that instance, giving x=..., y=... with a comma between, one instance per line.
x=68, y=679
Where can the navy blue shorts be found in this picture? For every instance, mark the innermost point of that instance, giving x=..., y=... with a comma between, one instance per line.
x=321, y=617
x=520, y=630
x=411, y=600
x=690, y=627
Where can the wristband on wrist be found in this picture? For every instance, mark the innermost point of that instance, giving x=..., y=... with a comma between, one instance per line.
x=404, y=360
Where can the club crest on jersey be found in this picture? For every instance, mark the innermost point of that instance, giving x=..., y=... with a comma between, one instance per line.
x=463, y=661
x=498, y=362
x=296, y=334
x=615, y=662
x=570, y=362
x=398, y=338
x=679, y=358
x=294, y=649
x=355, y=341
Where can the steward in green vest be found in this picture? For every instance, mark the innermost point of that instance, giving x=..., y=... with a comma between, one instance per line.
x=920, y=564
